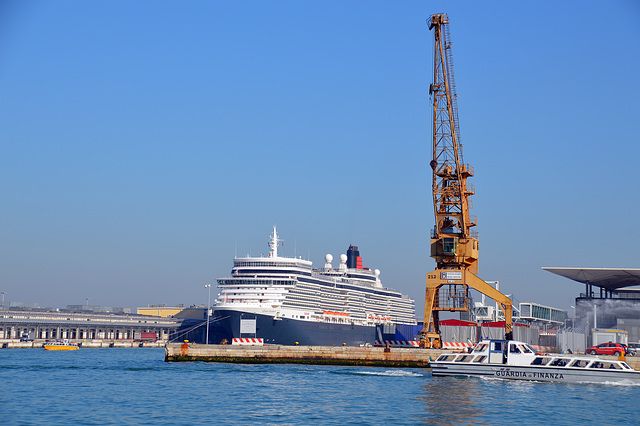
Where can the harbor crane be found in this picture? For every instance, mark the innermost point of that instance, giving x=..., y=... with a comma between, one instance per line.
x=454, y=244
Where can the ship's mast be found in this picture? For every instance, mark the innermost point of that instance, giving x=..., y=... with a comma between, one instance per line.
x=273, y=243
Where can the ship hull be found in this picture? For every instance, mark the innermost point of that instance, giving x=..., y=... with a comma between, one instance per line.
x=533, y=373
x=225, y=325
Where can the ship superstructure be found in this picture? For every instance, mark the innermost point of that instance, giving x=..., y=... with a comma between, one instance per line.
x=309, y=300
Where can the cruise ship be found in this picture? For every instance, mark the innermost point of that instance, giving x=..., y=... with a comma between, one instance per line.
x=284, y=300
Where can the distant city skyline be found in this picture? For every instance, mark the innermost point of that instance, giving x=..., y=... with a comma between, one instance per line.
x=144, y=144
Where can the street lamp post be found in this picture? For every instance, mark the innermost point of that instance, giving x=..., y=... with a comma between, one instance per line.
x=573, y=317
x=208, y=286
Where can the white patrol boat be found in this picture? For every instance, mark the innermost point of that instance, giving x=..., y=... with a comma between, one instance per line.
x=509, y=359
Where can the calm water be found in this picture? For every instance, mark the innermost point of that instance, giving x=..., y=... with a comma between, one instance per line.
x=135, y=386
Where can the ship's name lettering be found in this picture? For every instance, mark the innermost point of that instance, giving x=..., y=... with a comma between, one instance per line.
x=557, y=376
x=509, y=373
x=535, y=375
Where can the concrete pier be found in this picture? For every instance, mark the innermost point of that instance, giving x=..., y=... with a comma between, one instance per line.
x=323, y=355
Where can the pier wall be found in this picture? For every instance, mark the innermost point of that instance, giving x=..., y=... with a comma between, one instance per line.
x=321, y=355
x=277, y=354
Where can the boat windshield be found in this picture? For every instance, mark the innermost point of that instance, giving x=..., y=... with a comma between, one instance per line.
x=526, y=349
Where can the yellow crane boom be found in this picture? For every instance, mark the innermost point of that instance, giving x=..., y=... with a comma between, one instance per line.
x=454, y=245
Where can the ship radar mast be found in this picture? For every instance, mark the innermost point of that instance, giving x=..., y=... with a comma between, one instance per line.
x=273, y=243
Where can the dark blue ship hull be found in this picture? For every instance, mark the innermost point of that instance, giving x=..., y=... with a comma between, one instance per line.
x=225, y=325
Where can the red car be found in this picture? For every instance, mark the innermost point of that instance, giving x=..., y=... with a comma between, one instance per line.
x=608, y=349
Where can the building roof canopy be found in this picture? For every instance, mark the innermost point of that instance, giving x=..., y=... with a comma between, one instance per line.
x=607, y=278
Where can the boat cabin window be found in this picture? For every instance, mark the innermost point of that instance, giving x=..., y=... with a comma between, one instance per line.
x=480, y=347
x=496, y=346
x=480, y=358
x=447, y=357
x=559, y=362
x=513, y=349
x=607, y=365
x=541, y=360
x=582, y=363
x=464, y=358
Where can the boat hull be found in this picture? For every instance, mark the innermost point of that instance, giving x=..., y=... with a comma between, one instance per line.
x=60, y=348
x=225, y=325
x=534, y=373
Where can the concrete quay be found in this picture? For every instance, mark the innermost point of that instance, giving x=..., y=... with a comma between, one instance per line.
x=321, y=355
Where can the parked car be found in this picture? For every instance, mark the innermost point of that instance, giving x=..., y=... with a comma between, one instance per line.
x=609, y=348
x=633, y=348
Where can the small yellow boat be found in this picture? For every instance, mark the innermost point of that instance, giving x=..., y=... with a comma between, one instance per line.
x=64, y=345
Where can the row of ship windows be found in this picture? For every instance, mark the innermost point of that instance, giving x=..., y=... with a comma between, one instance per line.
x=313, y=287
x=348, y=297
x=375, y=300
x=378, y=292
x=253, y=290
x=242, y=282
x=270, y=264
x=371, y=293
x=344, y=300
x=354, y=314
x=352, y=308
x=351, y=287
x=304, y=303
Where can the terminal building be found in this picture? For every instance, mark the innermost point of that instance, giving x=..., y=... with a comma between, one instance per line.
x=608, y=302
x=43, y=324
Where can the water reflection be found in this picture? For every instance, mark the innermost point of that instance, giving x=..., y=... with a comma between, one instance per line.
x=449, y=400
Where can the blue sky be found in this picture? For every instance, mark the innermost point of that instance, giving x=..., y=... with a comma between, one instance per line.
x=144, y=143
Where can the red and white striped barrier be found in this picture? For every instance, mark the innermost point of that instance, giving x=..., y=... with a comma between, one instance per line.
x=396, y=343
x=247, y=341
x=456, y=345
x=543, y=348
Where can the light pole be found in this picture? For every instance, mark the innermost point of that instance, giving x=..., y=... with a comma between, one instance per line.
x=208, y=286
x=573, y=317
